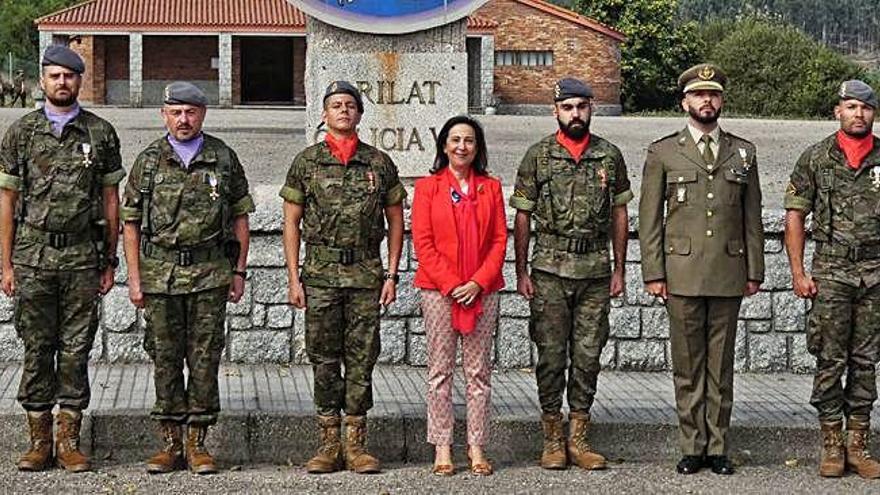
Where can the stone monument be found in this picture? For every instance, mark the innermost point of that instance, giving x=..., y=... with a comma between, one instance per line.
x=409, y=60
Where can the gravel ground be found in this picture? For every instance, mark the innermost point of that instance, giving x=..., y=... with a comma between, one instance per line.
x=621, y=479
x=267, y=140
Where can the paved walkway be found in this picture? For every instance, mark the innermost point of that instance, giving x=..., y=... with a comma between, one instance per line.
x=777, y=399
x=268, y=416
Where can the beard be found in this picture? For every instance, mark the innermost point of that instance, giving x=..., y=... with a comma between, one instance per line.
x=576, y=129
x=63, y=102
x=868, y=129
x=704, y=119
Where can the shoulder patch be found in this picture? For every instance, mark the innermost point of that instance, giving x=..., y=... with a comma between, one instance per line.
x=734, y=136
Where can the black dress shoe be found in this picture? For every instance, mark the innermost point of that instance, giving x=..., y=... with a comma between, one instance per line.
x=689, y=464
x=720, y=464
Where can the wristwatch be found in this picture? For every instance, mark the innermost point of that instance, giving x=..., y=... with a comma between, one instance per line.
x=113, y=261
x=392, y=276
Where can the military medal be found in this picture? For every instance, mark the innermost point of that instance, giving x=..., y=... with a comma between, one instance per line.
x=745, y=158
x=86, y=151
x=603, y=178
x=372, y=179
x=212, y=180
x=875, y=177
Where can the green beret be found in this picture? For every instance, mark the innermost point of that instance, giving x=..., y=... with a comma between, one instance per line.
x=185, y=93
x=858, y=90
x=570, y=87
x=345, y=87
x=702, y=77
x=64, y=57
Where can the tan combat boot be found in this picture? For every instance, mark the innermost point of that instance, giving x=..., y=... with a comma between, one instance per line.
x=579, y=450
x=39, y=456
x=170, y=458
x=357, y=458
x=199, y=460
x=329, y=456
x=67, y=453
x=833, y=455
x=553, y=456
x=858, y=456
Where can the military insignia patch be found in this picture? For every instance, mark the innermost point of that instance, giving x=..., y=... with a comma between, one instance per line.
x=167, y=93
x=334, y=87
x=87, y=154
x=603, y=178
x=790, y=190
x=842, y=92
x=875, y=177
x=556, y=90
x=519, y=194
x=706, y=73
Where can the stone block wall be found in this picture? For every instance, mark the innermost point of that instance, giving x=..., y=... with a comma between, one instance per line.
x=263, y=328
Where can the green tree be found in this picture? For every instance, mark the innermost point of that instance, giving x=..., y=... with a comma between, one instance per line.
x=659, y=47
x=18, y=34
x=778, y=70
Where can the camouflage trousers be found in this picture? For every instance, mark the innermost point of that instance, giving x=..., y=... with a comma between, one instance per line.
x=56, y=316
x=844, y=336
x=186, y=329
x=569, y=324
x=342, y=330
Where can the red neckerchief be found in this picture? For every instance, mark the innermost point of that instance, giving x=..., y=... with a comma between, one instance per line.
x=342, y=149
x=575, y=148
x=464, y=206
x=855, y=149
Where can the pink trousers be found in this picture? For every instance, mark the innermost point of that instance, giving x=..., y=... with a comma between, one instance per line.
x=476, y=361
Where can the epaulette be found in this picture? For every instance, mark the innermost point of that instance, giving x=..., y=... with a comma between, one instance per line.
x=734, y=136
x=673, y=134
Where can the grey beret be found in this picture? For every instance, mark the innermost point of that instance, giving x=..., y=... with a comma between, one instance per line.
x=65, y=57
x=858, y=90
x=185, y=93
x=337, y=87
x=570, y=87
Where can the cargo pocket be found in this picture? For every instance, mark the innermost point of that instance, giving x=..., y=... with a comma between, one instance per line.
x=735, y=247
x=677, y=246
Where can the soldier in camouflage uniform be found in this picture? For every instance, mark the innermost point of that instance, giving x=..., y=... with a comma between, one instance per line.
x=838, y=181
x=60, y=167
x=185, y=209
x=575, y=185
x=342, y=190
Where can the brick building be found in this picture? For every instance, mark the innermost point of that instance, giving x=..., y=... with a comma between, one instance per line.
x=253, y=51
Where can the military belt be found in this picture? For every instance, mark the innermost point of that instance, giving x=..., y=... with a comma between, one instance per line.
x=852, y=253
x=57, y=240
x=343, y=256
x=183, y=257
x=577, y=245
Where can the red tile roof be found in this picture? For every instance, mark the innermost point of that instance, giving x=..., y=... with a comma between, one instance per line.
x=190, y=16
x=574, y=17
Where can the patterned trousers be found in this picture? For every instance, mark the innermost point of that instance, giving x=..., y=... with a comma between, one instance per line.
x=476, y=362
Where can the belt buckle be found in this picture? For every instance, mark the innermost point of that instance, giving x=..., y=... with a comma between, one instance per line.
x=346, y=256
x=58, y=240
x=184, y=257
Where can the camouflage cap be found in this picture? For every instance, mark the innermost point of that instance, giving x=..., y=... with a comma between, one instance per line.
x=857, y=90
x=345, y=87
x=64, y=57
x=570, y=87
x=184, y=93
x=702, y=77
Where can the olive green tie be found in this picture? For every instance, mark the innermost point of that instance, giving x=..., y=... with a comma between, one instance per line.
x=708, y=156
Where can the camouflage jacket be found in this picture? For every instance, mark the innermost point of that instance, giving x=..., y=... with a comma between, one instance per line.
x=185, y=212
x=60, y=180
x=845, y=204
x=343, y=208
x=571, y=200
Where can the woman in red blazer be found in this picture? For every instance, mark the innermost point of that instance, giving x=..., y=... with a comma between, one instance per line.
x=459, y=231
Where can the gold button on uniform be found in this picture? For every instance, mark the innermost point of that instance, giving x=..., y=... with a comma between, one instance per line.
x=710, y=167
x=709, y=213
x=710, y=195
x=709, y=233
x=711, y=177
x=681, y=179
